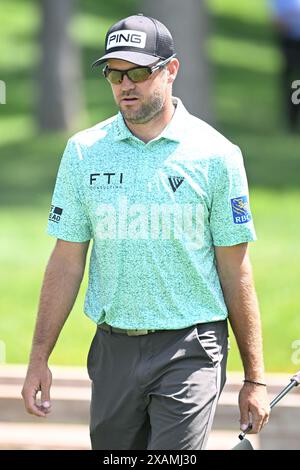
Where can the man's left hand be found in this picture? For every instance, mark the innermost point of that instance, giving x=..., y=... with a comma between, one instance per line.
x=254, y=407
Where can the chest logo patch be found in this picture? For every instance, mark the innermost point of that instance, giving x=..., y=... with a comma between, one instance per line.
x=175, y=182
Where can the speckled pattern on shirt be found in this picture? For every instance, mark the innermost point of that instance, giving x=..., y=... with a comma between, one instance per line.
x=154, y=212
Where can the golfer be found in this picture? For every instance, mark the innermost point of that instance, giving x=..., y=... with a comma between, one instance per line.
x=164, y=198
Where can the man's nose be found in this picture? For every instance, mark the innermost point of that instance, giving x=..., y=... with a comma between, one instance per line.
x=127, y=84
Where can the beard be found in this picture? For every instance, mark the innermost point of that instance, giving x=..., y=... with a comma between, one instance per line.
x=146, y=111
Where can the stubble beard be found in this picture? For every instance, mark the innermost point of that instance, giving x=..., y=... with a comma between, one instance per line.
x=147, y=111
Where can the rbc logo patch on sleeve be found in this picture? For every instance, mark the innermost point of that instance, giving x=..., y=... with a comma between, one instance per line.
x=240, y=210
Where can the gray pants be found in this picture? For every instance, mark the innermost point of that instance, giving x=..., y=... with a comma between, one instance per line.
x=158, y=391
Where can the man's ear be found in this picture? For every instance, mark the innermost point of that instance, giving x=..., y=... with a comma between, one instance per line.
x=172, y=68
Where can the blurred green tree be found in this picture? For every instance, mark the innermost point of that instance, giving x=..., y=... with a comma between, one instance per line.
x=189, y=23
x=60, y=100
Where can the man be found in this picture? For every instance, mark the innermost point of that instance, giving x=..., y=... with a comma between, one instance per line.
x=286, y=16
x=164, y=198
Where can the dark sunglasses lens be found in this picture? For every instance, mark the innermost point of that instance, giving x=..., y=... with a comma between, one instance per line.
x=135, y=75
x=114, y=76
x=139, y=75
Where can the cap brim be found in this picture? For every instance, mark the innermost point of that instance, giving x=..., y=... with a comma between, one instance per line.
x=133, y=57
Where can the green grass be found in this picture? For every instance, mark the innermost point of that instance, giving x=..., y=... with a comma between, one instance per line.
x=276, y=260
x=25, y=251
x=247, y=65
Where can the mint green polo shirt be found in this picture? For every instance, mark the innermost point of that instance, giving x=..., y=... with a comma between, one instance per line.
x=155, y=212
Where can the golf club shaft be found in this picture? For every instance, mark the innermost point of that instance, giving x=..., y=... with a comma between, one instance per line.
x=283, y=393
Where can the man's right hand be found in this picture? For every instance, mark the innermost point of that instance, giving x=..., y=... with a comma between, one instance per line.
x=38, y=379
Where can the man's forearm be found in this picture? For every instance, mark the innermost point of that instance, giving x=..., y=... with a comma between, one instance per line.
x=235, y=275
x=244, y=317
x=236, y=278
x=59, y=291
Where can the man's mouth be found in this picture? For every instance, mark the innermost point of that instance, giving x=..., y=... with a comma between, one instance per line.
x=129, y=99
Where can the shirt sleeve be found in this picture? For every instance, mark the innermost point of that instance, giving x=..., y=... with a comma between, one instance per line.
x=68, y=218
x=230, y=215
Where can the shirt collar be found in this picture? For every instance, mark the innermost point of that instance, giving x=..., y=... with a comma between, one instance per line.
x=121, y=131
x=174, y=131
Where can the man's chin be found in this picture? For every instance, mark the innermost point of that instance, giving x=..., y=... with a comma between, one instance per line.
x=130, y=110
x=133, y=117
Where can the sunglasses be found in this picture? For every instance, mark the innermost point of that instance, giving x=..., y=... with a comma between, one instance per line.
x=136, y=74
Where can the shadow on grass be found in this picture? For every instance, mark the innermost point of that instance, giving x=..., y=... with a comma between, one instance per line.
x=29, y=167
x=259, y=33
x=247, y=114
x=248, y=109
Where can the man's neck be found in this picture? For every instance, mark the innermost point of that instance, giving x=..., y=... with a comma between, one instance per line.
x=152, y=129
